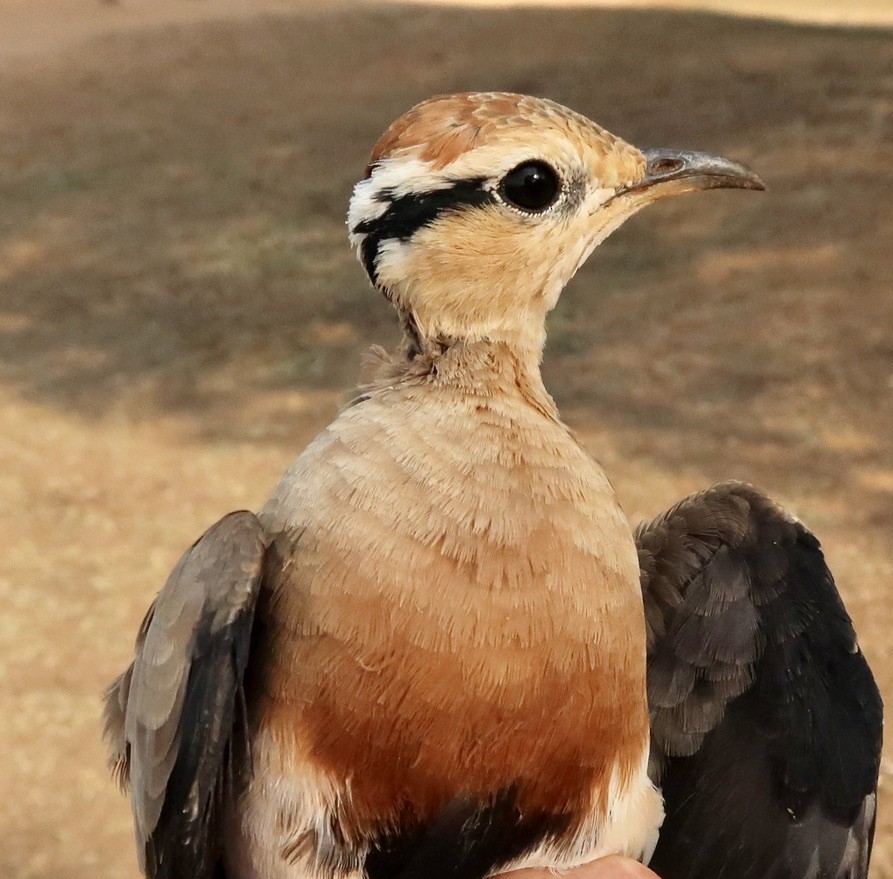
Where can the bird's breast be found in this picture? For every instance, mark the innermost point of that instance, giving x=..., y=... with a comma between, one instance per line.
x=455, y=610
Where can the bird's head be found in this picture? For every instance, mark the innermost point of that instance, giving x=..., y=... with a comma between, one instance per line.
x=477, y=209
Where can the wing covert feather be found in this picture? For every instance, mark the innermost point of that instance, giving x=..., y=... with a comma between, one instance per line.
x=766, y=721
x=170, y=716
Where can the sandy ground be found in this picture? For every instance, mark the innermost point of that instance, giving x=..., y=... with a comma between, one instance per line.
x=29, y=26
x=180, y=312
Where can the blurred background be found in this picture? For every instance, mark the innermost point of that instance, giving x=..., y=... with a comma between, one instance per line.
x=180, y=312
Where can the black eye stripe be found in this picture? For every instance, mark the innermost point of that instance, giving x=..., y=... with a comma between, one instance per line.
x=406, y=214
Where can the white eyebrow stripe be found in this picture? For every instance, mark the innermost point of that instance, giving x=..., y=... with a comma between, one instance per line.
x=391, y=178
x=407, y=175
x=366, y=205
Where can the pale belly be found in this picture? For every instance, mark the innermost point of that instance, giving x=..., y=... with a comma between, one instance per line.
x=450, y=620
x=259, y=847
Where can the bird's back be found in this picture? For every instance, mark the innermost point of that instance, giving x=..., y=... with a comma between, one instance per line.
x=456, y=612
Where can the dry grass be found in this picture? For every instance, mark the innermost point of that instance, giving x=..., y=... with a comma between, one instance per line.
x=180, y=314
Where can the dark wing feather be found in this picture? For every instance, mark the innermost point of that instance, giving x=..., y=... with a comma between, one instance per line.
x=766, y=721
x=170, y=717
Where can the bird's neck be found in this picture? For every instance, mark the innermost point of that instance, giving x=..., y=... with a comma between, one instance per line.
x=478, y=366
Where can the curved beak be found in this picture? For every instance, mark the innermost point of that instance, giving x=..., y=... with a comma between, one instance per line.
x=671, y=172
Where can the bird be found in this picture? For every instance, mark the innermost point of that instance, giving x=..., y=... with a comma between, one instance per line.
x=440, y=649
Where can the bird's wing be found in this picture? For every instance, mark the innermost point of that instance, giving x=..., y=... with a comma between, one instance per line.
x=766, y=721
x=171, y=717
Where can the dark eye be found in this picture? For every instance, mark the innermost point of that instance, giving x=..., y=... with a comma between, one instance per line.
x=532, y=186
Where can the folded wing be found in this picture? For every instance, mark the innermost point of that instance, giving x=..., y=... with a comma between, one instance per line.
x=766, y=720
x=171, y=718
